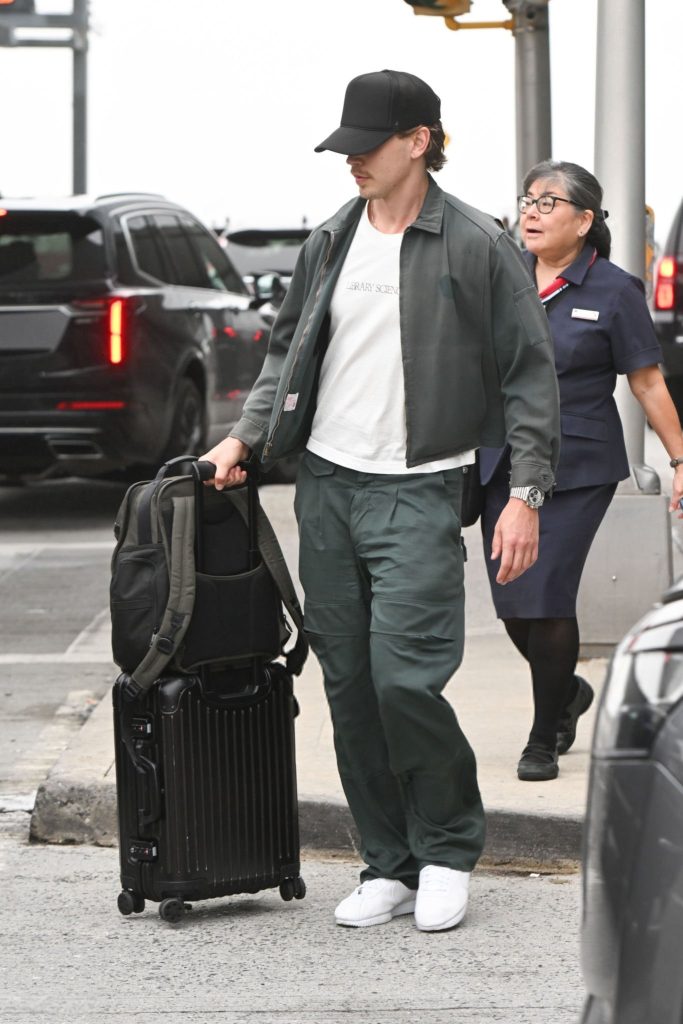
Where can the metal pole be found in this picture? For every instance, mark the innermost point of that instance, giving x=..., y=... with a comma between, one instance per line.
x=630, y=562
x=532, y=81
x=620, y=168
x=80, y=96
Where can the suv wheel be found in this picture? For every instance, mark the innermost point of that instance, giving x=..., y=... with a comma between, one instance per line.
x=188, y=429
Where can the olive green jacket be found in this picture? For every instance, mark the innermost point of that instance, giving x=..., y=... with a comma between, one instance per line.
x=477, y=355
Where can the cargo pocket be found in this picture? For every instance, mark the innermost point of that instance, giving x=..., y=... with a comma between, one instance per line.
x=308, y=499
x=235, y=618
x=138, y=598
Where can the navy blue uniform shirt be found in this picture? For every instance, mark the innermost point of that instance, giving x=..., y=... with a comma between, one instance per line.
x=600, y=326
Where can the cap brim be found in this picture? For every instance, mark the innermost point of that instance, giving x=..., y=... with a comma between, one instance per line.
x=354, y=141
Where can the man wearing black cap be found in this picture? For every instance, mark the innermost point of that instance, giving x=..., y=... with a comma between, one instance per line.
x=410, y=335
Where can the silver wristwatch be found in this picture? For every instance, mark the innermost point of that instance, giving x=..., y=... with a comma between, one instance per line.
x=533, y=496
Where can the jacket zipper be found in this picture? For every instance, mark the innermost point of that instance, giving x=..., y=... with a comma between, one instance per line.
x=269, y=443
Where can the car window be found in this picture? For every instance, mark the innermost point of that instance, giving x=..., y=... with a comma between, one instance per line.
x=146, y=252
x=222, y=275
x=186, y=267
x=44, y=248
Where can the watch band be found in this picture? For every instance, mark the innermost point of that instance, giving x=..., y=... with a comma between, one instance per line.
x=531, y=495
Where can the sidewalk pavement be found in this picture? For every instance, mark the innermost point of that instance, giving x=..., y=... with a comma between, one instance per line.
x=534, y=823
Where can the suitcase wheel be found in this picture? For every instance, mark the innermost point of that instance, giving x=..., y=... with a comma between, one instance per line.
x=130, y=902
x=292, y=888
x=287, y=889
x=172, y=909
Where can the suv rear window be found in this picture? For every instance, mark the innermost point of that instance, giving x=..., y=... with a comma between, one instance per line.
x=50, y=248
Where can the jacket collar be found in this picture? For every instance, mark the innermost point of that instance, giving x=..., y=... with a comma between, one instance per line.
x=576, y=272
x=430, y=217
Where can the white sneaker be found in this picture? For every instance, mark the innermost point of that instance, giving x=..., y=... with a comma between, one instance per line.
x=441, y=898
x=375, y=902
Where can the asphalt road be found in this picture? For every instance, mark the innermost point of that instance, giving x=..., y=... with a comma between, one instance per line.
x=66, y=954
x=55, y=544
x=68, y=957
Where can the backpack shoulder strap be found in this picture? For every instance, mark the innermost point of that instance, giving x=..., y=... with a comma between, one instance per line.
x=181, y=594
x=271, y=552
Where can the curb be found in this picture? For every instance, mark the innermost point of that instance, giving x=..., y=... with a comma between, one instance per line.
x=76, y=804
x=67, y=810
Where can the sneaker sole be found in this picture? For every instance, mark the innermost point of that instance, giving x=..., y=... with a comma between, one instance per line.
x=451, y=923
x=368, y=922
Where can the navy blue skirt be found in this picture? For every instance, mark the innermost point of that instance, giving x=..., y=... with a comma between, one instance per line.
x=568, y=524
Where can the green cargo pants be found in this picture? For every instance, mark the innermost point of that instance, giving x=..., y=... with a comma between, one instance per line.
x=381, y=564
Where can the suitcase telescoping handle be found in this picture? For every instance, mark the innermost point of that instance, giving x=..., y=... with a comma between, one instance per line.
x=204, y=470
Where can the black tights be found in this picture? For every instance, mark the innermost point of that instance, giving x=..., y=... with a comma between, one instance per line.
x=551, y=646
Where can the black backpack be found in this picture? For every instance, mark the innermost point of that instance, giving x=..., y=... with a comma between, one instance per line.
x=198, y=580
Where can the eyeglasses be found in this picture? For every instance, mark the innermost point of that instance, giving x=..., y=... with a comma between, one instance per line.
x=544, y=204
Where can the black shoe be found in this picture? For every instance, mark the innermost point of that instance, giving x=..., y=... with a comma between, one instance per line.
x=538, y=763
x=580, y=703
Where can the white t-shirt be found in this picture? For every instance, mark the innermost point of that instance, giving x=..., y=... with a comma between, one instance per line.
x=360, y=419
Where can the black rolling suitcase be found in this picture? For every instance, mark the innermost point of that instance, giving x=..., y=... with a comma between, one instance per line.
x=205, y=757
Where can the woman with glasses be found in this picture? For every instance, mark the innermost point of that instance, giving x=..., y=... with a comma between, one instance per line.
x=601, y=326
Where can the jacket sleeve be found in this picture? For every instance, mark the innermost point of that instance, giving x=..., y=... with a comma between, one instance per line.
x=526, y=367
x=252, y=427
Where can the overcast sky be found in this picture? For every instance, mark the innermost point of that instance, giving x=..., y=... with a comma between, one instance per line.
x=219, y=103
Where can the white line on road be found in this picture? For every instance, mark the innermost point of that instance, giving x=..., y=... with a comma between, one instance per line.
x=95, y=638
x=55, y=659
x=28, y=547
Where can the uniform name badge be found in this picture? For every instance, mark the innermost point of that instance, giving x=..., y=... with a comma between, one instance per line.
x=585, y=314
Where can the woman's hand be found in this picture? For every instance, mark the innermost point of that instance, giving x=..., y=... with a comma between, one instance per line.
x=649, y=387
x=677, y=492
x=225, y=457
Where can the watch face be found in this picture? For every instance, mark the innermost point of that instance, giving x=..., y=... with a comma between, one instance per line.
x=535, y=497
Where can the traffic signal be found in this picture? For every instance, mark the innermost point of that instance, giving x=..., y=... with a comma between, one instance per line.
x=17, y=7
x=440, y=8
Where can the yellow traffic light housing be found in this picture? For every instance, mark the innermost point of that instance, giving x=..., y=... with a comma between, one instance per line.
x=440, y=8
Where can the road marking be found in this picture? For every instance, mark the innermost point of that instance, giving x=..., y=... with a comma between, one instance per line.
x=29, y=547
x=95, y=638
x=93, y=645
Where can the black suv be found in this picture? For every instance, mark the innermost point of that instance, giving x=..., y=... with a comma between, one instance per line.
x=126, y=335
x=668, y=309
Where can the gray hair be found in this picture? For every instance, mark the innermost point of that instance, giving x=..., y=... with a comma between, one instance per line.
x=584, y=189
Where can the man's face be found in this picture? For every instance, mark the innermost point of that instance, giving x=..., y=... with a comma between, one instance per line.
x=380, y=171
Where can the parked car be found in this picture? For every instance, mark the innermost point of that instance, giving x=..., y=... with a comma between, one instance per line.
x=266, y=257
x=632, y=929
x=126, y=335
x=668, y=309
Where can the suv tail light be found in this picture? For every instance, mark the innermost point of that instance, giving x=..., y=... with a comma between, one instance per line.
x=665, y=289
x=115, y=325
x=116, y=349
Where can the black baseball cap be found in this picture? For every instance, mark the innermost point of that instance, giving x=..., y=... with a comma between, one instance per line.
x=377, y=106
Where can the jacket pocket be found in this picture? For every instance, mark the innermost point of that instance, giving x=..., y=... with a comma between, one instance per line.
x=532, y=315
x=581, y=426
